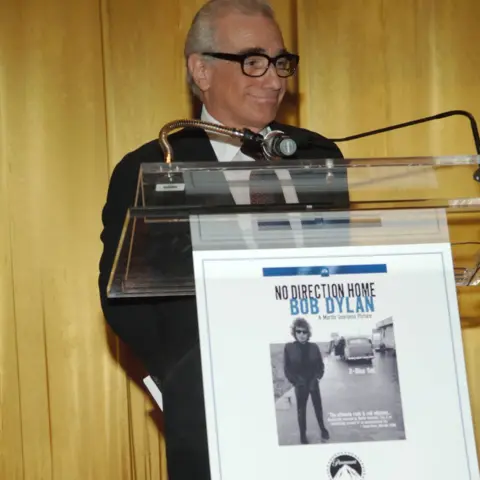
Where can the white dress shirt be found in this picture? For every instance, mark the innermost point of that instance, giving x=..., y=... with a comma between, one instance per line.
x=227, y=150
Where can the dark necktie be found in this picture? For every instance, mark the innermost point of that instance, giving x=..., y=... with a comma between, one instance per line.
x=264, y=185
x=265, y=188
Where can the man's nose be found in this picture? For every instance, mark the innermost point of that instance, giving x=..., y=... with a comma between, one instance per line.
x=272, y=80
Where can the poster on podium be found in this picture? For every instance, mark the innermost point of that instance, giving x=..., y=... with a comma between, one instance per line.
x=334, y=363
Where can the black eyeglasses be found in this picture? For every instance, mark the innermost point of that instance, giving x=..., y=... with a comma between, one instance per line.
x=301, y=331
x=257, y=64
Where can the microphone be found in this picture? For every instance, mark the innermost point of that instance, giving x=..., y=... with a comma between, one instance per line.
x=245, y=135
x=276, y=144
x=450, y=113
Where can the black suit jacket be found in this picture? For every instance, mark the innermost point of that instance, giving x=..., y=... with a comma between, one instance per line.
x=163, y=332
x=300, y=371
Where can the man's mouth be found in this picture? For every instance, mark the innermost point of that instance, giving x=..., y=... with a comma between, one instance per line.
x=265, y=99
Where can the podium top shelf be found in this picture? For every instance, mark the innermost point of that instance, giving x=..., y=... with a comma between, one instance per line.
x=319, y=163
x=183, y=188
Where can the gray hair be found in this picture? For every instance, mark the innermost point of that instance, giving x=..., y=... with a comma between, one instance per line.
x=201, y=36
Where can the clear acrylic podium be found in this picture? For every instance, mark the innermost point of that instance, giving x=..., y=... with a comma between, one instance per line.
x=338, y=202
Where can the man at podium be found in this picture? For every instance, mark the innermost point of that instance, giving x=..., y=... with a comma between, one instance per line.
x=238, y=66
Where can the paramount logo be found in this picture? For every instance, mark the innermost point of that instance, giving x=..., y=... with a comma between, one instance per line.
x=345, y=466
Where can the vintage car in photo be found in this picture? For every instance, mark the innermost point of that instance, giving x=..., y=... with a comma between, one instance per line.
x=357, y=348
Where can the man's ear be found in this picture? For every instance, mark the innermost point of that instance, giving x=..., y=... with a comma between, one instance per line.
x=200, y=71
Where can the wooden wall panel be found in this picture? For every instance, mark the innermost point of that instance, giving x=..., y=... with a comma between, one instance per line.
x=22, y=79
x=342, y=79
x=471, y=340
x=54, y=161
x=83, y=83
x=286, y=14
x=433, y=66
x=144, y=69
x=375, y=63
x=11, y=442
x=11, y=454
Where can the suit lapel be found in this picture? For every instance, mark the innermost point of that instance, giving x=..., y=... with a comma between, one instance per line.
x=192, y=145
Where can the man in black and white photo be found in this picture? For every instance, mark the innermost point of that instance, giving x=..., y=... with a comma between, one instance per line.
x=304, y=368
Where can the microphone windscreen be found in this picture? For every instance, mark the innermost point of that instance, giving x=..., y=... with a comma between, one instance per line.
x=288, y=147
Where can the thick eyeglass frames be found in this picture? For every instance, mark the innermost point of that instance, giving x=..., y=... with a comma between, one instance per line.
x=257, y=64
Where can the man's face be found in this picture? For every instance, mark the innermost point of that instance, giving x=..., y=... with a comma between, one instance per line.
x=235, y=99
x=302, y=334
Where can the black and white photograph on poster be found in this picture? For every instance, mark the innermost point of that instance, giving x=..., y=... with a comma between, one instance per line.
x=337, y=386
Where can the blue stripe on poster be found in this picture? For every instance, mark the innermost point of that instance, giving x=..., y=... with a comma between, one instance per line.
x=324, y=271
